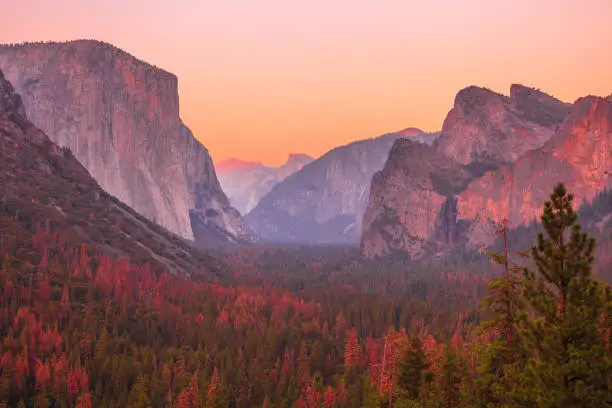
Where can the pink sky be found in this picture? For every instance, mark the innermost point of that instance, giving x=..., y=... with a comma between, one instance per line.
x=260, y=79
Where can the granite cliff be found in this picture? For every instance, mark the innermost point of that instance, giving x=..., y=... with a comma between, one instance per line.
x=120, y=118
x=485, y=130
x=324, y=202
x=415, y=202
x=579, y=155
x=245, y=183
x=45, y=188
x=407, y=198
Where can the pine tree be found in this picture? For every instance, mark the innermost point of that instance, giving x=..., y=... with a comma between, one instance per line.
x=504, y=307
x=571, y=366
x=449, y=381
x=411, y=369
x=303, y=368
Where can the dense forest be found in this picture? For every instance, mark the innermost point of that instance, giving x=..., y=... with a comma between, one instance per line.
x=530, y=328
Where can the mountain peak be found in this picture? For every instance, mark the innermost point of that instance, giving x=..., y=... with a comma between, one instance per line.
x=298, y=158
x=246, y=182
x=410, y=132
x=537, y=106
x=518, y=92
x=475, y=96
x=486, y=129
x=233, y=164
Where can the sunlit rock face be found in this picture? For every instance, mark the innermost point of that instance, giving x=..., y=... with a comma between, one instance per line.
x=408, y=198
x=485, y=130
x=425, y=198
x=579, y=155
x=120, y=118
x=324, y=202
x=44, y=184
x=245, y=182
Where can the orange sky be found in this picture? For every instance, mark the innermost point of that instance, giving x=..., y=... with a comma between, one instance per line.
x=259, y=79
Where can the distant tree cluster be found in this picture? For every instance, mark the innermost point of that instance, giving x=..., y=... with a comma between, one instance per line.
x=116, y=50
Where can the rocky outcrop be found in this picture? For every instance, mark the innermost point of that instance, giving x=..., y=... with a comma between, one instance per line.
x=44, y=184
x=485, y=130
x=411, y=200
x=245, y=183
x=120, y=118
x=579, y=155
x=324, y=202
x=416, y=204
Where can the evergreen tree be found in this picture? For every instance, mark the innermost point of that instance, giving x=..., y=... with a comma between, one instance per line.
x=138, y=397
x=450, y=379
x=571, y=365
x=505, y=310
x=411, y=369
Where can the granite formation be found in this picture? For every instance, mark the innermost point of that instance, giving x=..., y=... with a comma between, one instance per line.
x=120, y=118
x=47, y=192
x=432, y=199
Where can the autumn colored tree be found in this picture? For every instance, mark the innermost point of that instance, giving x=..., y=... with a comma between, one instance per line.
x=329, y=398
x=352, y=349
x=212, y=388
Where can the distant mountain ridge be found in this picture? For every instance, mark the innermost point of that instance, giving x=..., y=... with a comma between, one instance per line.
x=235, y=164
x=120, y=118
x=323, y=203
x=245, y=182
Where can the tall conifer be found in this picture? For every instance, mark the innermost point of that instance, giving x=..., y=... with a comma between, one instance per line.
x=570, y=366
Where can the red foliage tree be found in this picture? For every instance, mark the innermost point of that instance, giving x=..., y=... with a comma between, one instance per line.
x=329, y=398
x=42, y=375
x=212, y=387
x=84, y=401
x=352, y=349
x=310, y=396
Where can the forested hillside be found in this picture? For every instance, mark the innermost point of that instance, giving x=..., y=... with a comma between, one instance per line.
x=82, y=330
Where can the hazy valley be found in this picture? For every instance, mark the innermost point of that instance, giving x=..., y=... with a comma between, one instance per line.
x=246, y=183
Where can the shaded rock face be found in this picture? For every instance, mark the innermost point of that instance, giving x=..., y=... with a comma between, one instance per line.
x=120, y=118
x=485, y=130
x=419, y=202
x=324, y=201
x=579, y=155
x=245, y=183
x=42, y=182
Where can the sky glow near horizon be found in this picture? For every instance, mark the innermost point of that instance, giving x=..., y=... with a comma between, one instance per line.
x=259, y=80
